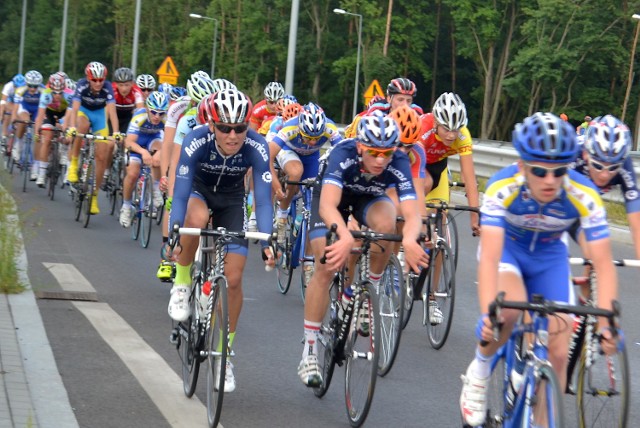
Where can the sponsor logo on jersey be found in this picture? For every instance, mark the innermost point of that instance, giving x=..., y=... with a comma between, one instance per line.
x=195, y=145
x=266, y=176
x=347, y=163
x=183, y=170
x=259, y=147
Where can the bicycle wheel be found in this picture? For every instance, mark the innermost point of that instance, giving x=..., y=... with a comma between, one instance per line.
x=53, y=171
x=327, y=340
x=496, y=388
x=135, y=218
x=187, y=346
x=160, y=211
x=284, y=272
x=547, y=393
x=451, y=235
x=410, y=280
x=391, y=297
x=26, y=163
x=146, y=218
x=362, y=354
x=603, y=389
x=89, y=185
x=440, y=296
x=217, y=344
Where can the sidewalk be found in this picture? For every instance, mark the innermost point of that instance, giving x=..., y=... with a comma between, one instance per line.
x=32, y=394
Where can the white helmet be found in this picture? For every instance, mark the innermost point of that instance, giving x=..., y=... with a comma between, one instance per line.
x=449, y=110
x=33, y=78
x=273, y=91
x=199, y=87
x=229, y=106
x=146, y=81
x=222, y=84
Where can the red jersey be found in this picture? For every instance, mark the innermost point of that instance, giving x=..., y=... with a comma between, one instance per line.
x=261, y=113
x=129, y=102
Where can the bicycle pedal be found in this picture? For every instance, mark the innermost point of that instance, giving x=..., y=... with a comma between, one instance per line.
x=174, y=337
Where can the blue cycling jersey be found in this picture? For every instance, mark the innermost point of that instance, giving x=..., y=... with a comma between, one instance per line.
x=141, y=125
x=508, y=204
x=93, y=100
x=345, y=171
x=288, y=138
x=625, y=178
x=201, y=161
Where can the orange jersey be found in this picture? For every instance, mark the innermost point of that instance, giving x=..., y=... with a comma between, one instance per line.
x=434, y=147
x=260, y=113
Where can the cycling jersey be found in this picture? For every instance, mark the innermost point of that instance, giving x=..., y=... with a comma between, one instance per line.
x=8, y=90
x=47, y=101
x=260, y=113
x=90, y=100
x=186, y=124
x=28, y=101
x=202, y=164
x=141, y=125
x=435, y=149
x=288, y=138
x=176, y=110
x=385, y=107
x=274, y=127
x=625, y=178
x=127, y=103
x=508, y=204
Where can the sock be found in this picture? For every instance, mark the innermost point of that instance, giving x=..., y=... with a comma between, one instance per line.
x=283, y=213
x=183, y=275
x=232, y=335
x=311, y=332
x=126, y=204
x=481, y=365
x=44, y=166
x=156, y=184
x=375, y=278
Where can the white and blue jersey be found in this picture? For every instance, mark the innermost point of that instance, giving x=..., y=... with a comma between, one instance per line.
x=288, y=138
x=28, y=100
x=533, y=246
x=146, y=131
x=204, y=172
x=186, y=124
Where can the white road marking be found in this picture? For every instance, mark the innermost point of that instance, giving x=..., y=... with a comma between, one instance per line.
x=69, y=278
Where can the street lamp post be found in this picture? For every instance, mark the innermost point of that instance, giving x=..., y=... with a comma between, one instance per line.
x=215, y=40
x=633, y=54
x=355, y=89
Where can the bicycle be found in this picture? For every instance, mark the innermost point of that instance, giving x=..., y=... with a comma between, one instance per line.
x=513, y=396
x=82, y=191
x=54, y=170
x=114, y=182
x=340, y=340
x=601, y=385
x=293, y=251
x=26, y=153
x=144, y=211
x=204, y=336
x=439, y=296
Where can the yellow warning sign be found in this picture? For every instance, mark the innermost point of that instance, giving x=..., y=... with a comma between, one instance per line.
x=167, y=72
x=373, y=90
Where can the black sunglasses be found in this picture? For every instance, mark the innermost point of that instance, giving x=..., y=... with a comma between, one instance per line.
x=542, y=171
x=147, y=89
x=33, y=86
x=226, y=129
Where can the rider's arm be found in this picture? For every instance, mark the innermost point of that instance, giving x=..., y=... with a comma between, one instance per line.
x=601, y=256
x=634, y=227
x=491, y=244
x=74, y=113
x=262, y=191
x=113, y=116
x=40, y=118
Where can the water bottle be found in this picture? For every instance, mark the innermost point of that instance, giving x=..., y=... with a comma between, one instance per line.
x=204, y=298
x=515, y=381
x=296, y=224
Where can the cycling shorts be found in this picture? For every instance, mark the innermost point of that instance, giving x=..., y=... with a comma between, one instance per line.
x=310, y=164
x=544, y=272
x=33, y=111
x=97, y=119
x=149, y=142
x=228, y=211
x=440, y=174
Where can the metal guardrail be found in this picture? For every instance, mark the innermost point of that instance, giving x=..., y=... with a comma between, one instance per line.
x=490, y=156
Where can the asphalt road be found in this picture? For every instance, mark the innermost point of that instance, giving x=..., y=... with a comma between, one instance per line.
x=121, y=371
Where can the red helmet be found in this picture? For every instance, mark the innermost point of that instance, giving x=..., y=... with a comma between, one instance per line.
x=57, y=82
x=401, y=85
x=95, y=70
x=203, y=109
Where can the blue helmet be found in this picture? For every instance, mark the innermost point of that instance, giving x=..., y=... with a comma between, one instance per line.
x=19, y=80
x=607, y=139
x=177, y=92
x=311, y=120
x=290, y=98
x=378, y=130
x=165, y=88
x=544, y=137
x=157, y=101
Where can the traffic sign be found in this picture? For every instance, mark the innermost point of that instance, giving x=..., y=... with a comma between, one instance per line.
x=167, y=72
x=373, y=90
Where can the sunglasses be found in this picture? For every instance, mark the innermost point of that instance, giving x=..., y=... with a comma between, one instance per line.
x=226, y=129
x=56, y=92
x=97, y=80
x=542, y=171
x=33, y=86
x=157, y=113
x=384, y=153
x=146, y=90
x=406, y=146
x=600, y=167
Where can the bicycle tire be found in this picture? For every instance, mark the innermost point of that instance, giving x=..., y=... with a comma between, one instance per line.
x=135, y=207
x=440, y=287
x=160, y=211
x=600, y=387
x=26, y=164
x=451, y=235
x=496, y=392
x=189, y=353
x=218, y=332
x=391, y=300
x=362, y=351
x=53, y=171
x=555, y=407
x=89, y=186
x=146, y=218
x=327, y=339
x=410, y=280
x=284, y=264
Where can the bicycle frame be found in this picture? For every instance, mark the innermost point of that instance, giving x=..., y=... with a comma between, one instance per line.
x=298, y=252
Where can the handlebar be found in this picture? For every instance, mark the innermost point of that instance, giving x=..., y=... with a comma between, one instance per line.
x=442, y=205
x=621, y=262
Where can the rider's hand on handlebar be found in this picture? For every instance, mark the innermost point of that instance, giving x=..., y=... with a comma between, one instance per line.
x=71, y=132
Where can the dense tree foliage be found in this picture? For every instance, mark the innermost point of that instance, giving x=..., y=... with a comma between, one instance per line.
x=506, y=58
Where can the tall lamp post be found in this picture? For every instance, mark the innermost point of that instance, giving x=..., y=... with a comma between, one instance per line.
x=215, y=40
x=355, y=88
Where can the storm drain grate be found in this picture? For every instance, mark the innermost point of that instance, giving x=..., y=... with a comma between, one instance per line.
x=87, y=296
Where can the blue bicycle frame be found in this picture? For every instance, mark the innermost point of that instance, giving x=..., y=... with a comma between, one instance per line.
x=299, y=246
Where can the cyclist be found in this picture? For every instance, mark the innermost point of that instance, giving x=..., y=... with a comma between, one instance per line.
x=526, y=208
x=582, y=128
x=6, y=104
x=128, y=97
x=267, y=108
x=25, y=107
x=351, y=129
x=144, y=137
x=146, y=83
x=54, y=105
x=271, y=127
x=604, y=158
x=358, y=173
x=444, y=133
x=93, y=104
x=210, y=177
x=296, y=147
